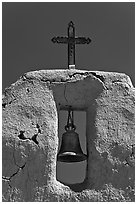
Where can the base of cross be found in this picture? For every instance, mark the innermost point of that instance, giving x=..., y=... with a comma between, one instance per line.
x=72, y=66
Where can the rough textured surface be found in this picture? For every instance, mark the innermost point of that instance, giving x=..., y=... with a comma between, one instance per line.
x=30, y=135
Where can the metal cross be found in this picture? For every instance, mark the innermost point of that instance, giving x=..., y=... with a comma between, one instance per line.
x=71, y=40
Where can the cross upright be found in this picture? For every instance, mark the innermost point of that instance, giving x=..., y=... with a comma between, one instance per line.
x=71, y=40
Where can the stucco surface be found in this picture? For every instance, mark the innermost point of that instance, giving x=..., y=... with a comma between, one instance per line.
x=30, y=135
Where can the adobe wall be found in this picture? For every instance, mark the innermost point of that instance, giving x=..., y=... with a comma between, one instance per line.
x=30, y=135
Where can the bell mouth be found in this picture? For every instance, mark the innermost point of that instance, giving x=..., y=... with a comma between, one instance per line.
x=71, y=157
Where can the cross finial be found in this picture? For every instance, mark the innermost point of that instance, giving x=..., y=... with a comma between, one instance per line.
x=71, y=40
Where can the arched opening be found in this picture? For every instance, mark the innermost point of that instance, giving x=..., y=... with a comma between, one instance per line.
x=75, y=172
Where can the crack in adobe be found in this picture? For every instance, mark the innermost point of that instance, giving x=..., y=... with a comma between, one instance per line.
x=65, y=93
x=34, y=139
x=101, y=78
x=88, y=73
x=123, y=82
x=70, y=76
x=14, y=174
x=38, y=127
x=22, y=167
x=22, y=137
x=115, y=81
x=98, y=76
x=5, y=178
x=76, y=73
x=9, y=178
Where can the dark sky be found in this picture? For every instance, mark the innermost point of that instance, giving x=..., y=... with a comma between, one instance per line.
x=29, y=27
x=27, y=32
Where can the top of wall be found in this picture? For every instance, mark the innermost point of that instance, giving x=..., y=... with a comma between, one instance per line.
x=66, y=75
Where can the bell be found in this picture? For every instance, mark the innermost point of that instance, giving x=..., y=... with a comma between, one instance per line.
x=70, y=150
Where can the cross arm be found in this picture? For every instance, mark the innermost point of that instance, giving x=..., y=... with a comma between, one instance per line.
x=60, y=40
x=82, y=40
